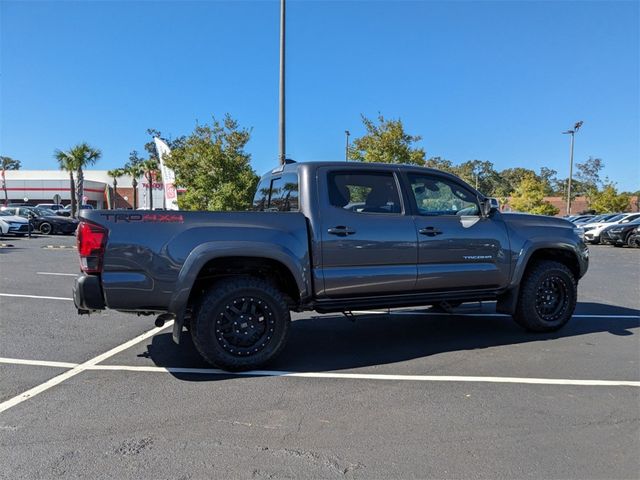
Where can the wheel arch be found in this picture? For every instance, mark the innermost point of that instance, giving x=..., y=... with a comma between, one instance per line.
x=529, y=256
x=209, y=262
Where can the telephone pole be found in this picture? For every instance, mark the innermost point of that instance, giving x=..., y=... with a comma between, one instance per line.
x=281, y=117
x=571, y=132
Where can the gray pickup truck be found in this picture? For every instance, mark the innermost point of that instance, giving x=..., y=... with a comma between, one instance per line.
x=329, y=237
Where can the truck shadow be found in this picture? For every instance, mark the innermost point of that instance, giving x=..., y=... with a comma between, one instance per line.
x=332, y=342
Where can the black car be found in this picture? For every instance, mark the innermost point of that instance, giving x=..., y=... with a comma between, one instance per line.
x=620, y=234
x=46, y=221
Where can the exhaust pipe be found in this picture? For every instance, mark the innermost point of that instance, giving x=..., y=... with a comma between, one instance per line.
x=165, y=317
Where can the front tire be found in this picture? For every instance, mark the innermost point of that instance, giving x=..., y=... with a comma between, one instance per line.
x=45, y=228
x=547, y=298
x=240, y=323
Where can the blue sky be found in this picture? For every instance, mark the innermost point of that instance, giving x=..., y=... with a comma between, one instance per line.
x=495, y=81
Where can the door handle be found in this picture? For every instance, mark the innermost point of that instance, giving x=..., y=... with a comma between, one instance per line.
x=341, y=231
x=429, y=231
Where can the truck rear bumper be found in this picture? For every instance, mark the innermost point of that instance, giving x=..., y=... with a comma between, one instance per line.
x=87, y=294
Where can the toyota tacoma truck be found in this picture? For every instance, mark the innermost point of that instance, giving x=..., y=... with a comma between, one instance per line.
x=328, y=237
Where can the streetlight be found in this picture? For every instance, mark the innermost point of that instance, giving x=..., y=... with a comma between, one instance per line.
x=346, y=148
x=281, y=119
x=571, y=132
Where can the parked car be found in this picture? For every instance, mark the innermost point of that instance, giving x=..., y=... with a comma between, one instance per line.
x=592, y=231
x=66, y=211
x=598, y=218
x=51, y=206
x=620, y=234
x=46, y=221
x=13, y=224
x=579, y=218
x=421, y=237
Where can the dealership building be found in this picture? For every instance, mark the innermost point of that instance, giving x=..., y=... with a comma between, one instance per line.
x=41, y=186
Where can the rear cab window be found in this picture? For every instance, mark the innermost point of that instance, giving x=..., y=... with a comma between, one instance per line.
x=278, y=193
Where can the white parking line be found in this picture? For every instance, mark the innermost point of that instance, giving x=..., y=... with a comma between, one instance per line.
x=12, y=402
x=39, y=363
x=60, y=274
x=33, y=296
x=340, y=376
x=414, y=313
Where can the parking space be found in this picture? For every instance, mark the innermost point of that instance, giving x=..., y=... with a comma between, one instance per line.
x=410, y=394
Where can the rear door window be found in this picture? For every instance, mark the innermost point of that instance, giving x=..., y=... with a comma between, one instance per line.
x=364, y=192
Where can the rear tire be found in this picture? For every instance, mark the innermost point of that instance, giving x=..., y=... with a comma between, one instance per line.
x=547, y=297
x=240, y=323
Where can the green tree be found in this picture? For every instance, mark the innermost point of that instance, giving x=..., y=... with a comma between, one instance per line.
x=213, y=166
x=609, y=200
x=480, y=174
x=386, y=142
x=134, y=169
x=529, y=197
x=588, y=173
x=8, y=163
x=510, y=179
x=115, y=173
x=549, y=180
x=440, y=163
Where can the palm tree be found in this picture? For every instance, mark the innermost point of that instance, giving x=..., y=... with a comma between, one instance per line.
x=77, y=158
x=85, y=155
x=115, y=173
x=65, y=161
x=149, y=167
x=7, y=163
x=134, y=169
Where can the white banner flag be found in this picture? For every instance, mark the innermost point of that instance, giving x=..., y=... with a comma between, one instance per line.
x=168, y=176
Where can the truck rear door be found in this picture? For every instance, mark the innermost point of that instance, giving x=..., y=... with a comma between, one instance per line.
x=369, y=241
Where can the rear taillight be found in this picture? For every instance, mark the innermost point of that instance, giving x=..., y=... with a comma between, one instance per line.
x=92, y=239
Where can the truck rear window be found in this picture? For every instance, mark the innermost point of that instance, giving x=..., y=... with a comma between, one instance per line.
x=277, y=194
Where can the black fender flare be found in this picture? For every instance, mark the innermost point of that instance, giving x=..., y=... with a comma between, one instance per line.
x=206, y=252
x=508, y=299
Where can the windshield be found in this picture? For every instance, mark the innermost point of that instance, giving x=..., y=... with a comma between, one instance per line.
x=41, y=212
x=616, y=218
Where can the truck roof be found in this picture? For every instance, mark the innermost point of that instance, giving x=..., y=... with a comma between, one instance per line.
x=292, y=166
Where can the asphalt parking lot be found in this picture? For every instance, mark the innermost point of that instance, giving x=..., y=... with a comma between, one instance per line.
x=408, y=395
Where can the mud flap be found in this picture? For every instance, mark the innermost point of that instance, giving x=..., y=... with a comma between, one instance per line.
x=177, y=328
x=507, y=301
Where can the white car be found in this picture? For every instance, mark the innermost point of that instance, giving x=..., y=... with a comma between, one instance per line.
x=13, y=224
x=592, y=231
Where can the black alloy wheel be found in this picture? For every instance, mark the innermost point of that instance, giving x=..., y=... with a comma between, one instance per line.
x=552, y=298
x=244, y=326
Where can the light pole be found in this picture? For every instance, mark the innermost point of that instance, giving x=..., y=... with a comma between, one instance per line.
x=281, y=119
x=571, y=132
x=346, y=148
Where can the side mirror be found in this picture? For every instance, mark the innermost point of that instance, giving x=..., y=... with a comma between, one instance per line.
x=489, y=205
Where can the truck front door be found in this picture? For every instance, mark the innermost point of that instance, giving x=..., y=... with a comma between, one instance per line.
x=458, y=248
